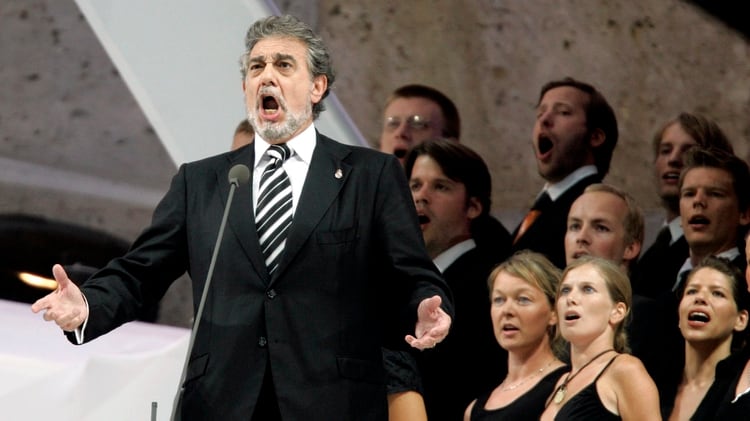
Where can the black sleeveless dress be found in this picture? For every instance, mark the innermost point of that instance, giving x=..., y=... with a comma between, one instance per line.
x=528, y=406
x=586, y=405
x=722, y=392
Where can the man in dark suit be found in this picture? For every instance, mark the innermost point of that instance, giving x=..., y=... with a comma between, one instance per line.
x=291, y=329
x=574, y=137
x=657, y=268
x=714, y=207
x=451, y=186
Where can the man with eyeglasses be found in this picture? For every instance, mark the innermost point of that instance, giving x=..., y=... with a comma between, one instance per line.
x=413, y=114
x=417, y=113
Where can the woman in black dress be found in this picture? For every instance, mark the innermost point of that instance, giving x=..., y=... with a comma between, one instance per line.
x=605, y=382
x=522, y=295
x=713, y=314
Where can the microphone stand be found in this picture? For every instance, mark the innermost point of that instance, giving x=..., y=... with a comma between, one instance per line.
x=238, y=174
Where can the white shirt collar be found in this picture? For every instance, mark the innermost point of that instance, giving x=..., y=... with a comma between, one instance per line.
x=446, y=258
x=730, y=255
x=303, y=145
x=557, y=189
x=675, y=229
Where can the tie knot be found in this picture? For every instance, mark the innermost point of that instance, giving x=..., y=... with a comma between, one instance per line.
x=280, y=152
x=542, y=202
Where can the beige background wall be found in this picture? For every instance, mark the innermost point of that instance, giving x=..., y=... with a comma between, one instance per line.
x=650, y=59
x=75, y=146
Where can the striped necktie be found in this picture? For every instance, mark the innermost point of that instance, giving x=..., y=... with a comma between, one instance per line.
x=273, y=214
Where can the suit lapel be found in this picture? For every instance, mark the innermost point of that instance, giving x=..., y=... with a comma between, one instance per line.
x=241, y=220
x=325, y=178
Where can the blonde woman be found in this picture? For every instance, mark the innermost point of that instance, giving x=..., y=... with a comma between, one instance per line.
x=605, y=382
x=522, y=295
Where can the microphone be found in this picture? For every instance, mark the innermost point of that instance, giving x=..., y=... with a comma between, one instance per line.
x=238, y=175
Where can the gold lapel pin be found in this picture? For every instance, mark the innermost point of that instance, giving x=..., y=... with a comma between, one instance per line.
x=338, y=173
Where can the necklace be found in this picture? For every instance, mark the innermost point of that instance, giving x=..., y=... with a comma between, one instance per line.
x=563, y=388
x=527, y=378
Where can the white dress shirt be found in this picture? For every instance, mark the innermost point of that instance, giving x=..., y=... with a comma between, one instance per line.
x=730, y=255
x=557, y=189
x=447, y=257
x=296, y=166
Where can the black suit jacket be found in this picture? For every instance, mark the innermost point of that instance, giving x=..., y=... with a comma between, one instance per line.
x=469, y=361
x=317, y=321
x=656, y=270
x=547, y=234
x=648, y=328
x=492, y=236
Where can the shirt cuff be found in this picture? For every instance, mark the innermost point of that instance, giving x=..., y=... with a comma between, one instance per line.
x=80, y=330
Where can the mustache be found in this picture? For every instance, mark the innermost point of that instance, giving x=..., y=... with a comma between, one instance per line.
x=275, y=92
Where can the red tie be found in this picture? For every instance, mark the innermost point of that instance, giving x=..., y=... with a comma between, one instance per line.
x=526, y=223
x=541, y=202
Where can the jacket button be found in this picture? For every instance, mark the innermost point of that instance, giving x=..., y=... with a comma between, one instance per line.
x=271, y=293
x=262, y=341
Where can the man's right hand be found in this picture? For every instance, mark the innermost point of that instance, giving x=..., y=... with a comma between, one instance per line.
x=66, y=305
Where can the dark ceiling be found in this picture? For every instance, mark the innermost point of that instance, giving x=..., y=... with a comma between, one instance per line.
x=730, y=12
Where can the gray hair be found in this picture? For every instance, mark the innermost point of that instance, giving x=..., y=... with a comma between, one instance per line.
x=318, y=57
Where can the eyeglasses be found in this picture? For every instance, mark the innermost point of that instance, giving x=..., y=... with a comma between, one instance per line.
x=414, y=122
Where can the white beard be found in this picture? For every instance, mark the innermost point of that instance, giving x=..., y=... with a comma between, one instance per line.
x=274, y=131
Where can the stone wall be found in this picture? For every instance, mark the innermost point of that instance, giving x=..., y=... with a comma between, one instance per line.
x=650, y=59
x=64, y=106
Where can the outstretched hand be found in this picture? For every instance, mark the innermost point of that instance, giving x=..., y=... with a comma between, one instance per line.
x=432, y=324
x=65, y=306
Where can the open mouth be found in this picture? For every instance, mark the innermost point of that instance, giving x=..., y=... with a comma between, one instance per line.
x=545, y=144
x=509, y=328
x=671, y=176
x=270, y=104
x=572, y=316
x=698, y=316
x=423, y=219
x=400, y=153
x=698, y=220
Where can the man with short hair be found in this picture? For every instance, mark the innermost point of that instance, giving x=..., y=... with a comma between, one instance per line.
x=573, y=139
x=658, y=266
x=451, y=186
x=413, y=114
x=293, y=325
x=606, y=222
x=714, y=207
x=416, y=113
